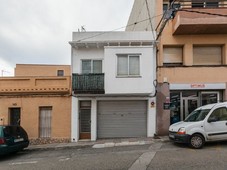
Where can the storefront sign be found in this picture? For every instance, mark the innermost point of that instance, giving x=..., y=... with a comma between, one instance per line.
x=196, y=86
x=166, y=106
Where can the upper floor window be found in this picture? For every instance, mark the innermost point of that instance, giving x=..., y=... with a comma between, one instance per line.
x=172, y=56
x=128, y=65
x=60, y=72
x=205, y=3
x=91, y=66
x=208, y=55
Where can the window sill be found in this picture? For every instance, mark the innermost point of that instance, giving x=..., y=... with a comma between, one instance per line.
x=128, y=76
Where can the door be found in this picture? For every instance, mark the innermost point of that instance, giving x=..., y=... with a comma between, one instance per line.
x=217, y=130
x=117, y=119
x=14, y=117
x=45, y=116
x=188, y=105
x=85, y=120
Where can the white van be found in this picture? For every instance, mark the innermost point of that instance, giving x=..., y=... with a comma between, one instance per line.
x=206, y=123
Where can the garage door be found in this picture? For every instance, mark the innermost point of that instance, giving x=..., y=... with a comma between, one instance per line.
x=122, y=119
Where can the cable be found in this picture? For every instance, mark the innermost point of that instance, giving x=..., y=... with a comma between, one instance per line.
x=99, y=34
x=148, y=11
x=138, y=15
x=199, y=12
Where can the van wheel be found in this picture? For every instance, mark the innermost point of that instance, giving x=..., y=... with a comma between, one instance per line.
x=197, y=141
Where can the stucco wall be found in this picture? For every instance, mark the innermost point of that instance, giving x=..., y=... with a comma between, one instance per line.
x=61, y=113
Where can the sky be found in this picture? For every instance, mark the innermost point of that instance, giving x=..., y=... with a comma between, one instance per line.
x=38, y=31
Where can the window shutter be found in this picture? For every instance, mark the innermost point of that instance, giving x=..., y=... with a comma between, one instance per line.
x=173, y=55
x=207, y=55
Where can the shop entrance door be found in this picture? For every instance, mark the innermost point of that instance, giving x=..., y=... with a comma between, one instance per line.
x=188, y=104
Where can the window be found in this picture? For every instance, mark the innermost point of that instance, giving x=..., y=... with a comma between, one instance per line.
x=91, y=66
x=60, y=72
x=211, y=4
x=173, y=55
x=45, y=122
x=205, y=3
x=210, y=55
x=219, y=114
x=128, y=65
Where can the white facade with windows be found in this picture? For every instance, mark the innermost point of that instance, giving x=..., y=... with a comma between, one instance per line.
x=113, y=85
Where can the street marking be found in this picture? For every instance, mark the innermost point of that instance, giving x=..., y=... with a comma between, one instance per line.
x=144, y=160
x=21, y=163
x=64, y=159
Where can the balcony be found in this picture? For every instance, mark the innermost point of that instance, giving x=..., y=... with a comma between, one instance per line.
x=88, y=83
x=200, y=20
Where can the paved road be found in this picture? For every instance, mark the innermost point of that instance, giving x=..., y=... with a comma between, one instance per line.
x=158, y=156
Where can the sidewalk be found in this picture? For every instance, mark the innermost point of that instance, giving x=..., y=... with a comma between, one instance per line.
x=101, y=143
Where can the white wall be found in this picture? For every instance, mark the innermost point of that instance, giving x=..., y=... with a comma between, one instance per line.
x=75, y=120
x=85, y=53
x=129, y=85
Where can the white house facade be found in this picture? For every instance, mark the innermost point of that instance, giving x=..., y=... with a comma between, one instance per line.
x=113, y=84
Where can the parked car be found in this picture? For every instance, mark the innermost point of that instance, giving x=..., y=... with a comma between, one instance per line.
x=12, y=139
x=206, y=123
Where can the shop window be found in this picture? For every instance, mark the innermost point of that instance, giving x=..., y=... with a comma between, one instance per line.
x=210, y=55
x=172, y=56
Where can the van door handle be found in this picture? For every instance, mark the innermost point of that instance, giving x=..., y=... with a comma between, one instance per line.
x=226, y=123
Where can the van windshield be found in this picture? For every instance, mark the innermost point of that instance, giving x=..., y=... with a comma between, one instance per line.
x=197, y=115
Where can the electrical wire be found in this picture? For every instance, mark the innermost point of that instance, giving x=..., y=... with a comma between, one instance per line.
x=138, y=14
x=99, y=34
x=199, y=12
x=149, y=15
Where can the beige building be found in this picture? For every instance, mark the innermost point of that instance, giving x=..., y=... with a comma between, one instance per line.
x=192, y=55
x=38, y=98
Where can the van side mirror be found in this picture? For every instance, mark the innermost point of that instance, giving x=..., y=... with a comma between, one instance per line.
x=212, y=119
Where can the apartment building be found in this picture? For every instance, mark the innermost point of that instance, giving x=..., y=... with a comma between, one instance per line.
x=192, y=56
x=112, y=85
x=38, y=98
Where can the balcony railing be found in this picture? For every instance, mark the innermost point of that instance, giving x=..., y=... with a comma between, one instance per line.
x=88, y=83
x=200, y=17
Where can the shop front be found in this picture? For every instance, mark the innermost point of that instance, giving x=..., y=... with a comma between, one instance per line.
x=184, y=98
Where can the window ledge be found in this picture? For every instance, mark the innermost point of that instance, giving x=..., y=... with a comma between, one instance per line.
x=128, y=76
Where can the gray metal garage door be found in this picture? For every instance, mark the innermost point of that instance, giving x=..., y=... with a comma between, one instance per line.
x=122, y=119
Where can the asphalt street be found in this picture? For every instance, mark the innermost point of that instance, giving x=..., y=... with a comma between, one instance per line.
x=159, y=155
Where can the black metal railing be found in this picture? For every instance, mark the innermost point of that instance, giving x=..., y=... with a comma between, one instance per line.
x=199, y=4
x=88, y=83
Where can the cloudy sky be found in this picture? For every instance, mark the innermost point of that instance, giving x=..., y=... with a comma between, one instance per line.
x=38, y=31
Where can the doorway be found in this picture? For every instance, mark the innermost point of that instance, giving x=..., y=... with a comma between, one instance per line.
x=14, y=116
x=188, y=105
x=85, y=119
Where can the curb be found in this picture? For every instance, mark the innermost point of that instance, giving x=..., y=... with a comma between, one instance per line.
x=94, y=145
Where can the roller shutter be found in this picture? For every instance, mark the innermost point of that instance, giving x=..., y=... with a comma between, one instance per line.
x=122, y=119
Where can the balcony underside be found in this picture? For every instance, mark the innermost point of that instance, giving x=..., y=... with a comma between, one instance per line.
x=200, y=21
x=200, y=29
